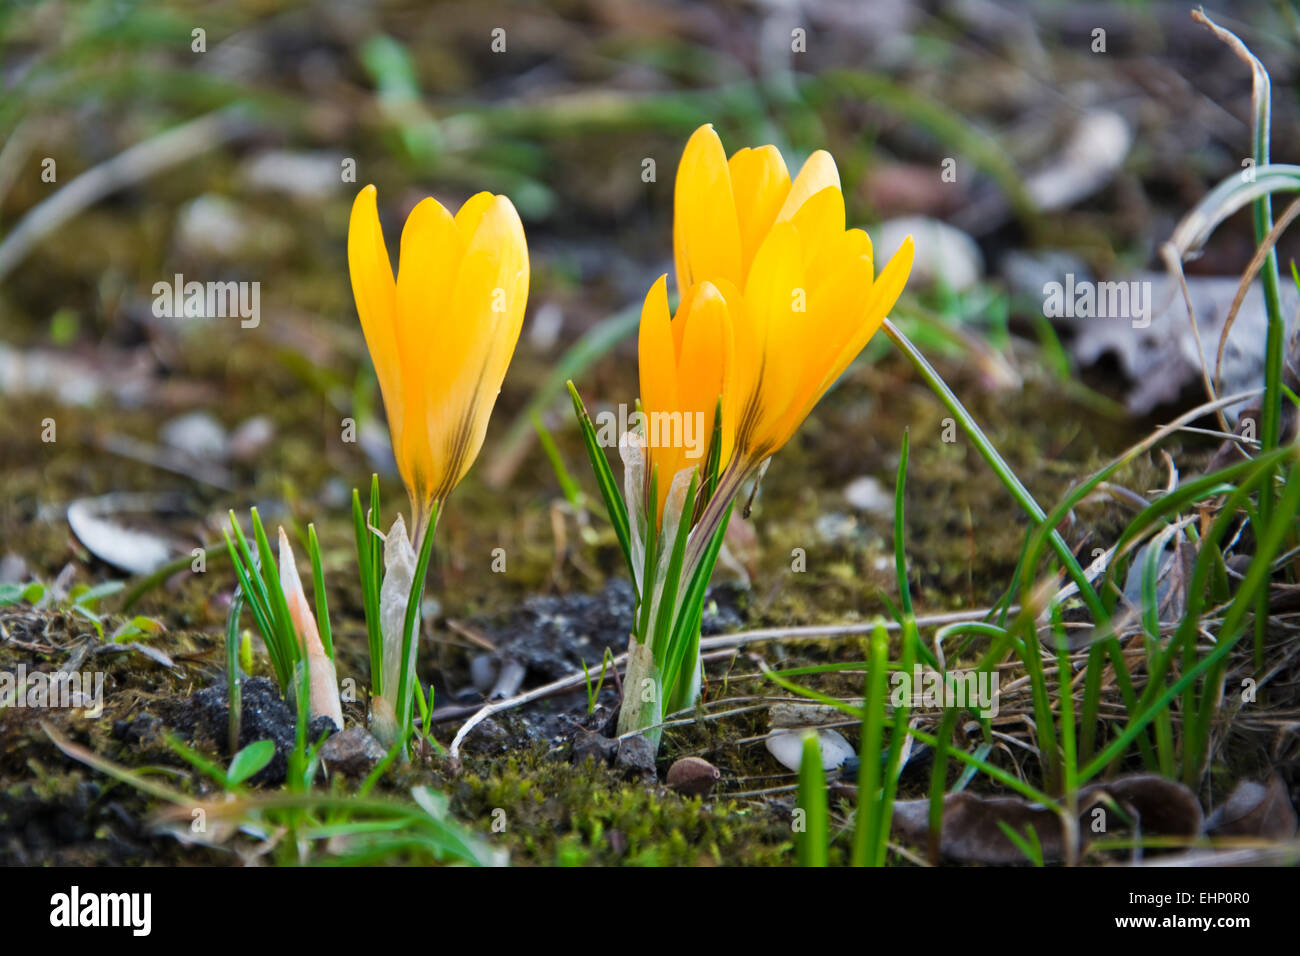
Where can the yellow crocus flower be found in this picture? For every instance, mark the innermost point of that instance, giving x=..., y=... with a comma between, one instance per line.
x=799, y=287
x=442, y=335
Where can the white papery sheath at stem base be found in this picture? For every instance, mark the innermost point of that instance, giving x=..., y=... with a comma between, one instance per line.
x=643, y=691
x=394, y=594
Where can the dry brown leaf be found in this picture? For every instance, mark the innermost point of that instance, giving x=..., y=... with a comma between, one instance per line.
x=971, y=831
x=1255, y=810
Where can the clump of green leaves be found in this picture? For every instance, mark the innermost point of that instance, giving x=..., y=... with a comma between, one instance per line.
x=670, y=564
x=262, y=590
x=370, y=563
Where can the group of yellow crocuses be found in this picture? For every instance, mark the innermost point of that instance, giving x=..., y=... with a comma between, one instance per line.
x=776, y=299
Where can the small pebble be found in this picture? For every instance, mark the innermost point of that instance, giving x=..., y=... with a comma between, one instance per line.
x=301, y=175
x=598, y=747
x=941, y=251
x=251, y=438
x=197, y=434
x=868, y=494
x=835, y=526
x=352, y=752
x=635, y=753
x=692, y=776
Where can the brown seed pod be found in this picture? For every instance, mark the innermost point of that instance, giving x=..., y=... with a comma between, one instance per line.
x=692, y=776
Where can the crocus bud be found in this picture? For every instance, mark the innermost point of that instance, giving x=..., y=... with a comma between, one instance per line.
x=323, y=693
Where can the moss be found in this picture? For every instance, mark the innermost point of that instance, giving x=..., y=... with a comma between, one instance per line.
x=588, y=814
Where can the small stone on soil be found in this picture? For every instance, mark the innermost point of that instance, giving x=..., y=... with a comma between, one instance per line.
x=352, y=752
x=635, y=754
x=692, y=776
x=598, y=747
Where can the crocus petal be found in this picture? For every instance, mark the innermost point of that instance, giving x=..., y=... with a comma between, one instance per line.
x=825, y=369
x=706, y=234
x=427, y=267
x=656, y=355
x=837, y=312
x=471, y=214
x=884, y=293
x=487, y=306
x=818, y=173
x=760, y=183
x=702, y=369
x=848, y=246
x=375, y=293
x=820, y=222
x=776, y=303
x=657, y=367
x=743, y=362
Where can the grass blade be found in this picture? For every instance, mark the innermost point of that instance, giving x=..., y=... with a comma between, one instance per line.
x=866, y=832
x=318, y=586
x=813, y=840
x=605, y=481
